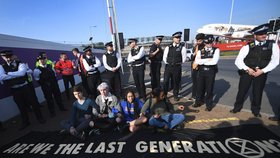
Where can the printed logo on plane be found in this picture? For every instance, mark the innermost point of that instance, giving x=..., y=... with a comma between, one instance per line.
x=244, y=148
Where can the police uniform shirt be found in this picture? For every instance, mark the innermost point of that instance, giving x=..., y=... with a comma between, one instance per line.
x=183, y=52
x=22, y=69
x=139, y=55
x=213, y=61
x=239, y=61
x=92, y=67
x=159, y=54
x=104, y=59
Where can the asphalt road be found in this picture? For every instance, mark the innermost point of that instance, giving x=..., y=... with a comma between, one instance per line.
x=226, y=87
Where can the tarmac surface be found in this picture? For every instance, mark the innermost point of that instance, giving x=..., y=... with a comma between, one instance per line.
x=217, y=118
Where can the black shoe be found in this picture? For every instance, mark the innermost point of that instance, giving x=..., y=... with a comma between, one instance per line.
x=208, y=109
x=258, y=115
x=62, y=132
x=42, y=121
x=196, y=105
x=23, y=126
x=94, y=132
x=234, y=111
x=274, y=118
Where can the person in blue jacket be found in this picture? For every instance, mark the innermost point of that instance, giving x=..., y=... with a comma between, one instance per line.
x=131, y=109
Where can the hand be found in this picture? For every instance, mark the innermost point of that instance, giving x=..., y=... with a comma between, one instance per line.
x=258, y=72
x=73, y=131
x=87, y=116
x=156, y=116
x=91, y=124
x=114, y=69
x=250, y=71
x=181, y=107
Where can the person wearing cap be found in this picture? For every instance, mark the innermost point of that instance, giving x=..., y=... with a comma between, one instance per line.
x=156, y=53
x=112, y=63
x=108, y=108
x=194, y=67
x=80, y=67
x=254, y=61
x=91, y=64
x=44, y=54
x=136, y=57
x=65, y=67
x=44, y=74
x=13, y=74
x=207, y=60
x=174, y=55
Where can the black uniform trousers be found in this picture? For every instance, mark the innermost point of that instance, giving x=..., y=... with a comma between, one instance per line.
x=155, y=74
x=93, y=80
x=114, y=81
x=51, y=90
x=205, y=83
x=173, y=73
x=138, y=73
x=23, y=95
x=194, y=74
x=84, y=82
x=66, y=80
x=244, y=84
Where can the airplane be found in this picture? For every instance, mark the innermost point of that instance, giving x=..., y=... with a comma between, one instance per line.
x=227, y=30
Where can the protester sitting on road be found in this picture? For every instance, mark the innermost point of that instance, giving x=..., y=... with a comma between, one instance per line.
x=82, y=112
x=131, y=107
x=109, y=116
x=162, y=112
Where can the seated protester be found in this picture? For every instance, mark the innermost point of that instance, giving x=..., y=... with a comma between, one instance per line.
x=162, y=111
x=109, y=115
x=131, y=108
x=82, y=111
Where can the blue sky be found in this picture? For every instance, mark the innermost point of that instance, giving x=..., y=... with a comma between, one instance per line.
x=70, y=20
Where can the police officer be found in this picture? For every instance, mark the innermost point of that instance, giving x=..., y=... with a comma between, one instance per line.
x=44, y=54
x=91, y=64
x=13, y=74
x=207, y=60
x=112, y=63
x=45, y=75
x=156, y=53
x=136, y=57
x=254, y=61
x=174, y=55
x=194, y=67
x=80, y=67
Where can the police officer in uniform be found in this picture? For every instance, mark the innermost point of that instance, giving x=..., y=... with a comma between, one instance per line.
x=13, y=74
x=137, y=59
x=156, y=53
x=207, y=60
x=174, y=55
x=254, y=61
x=194, y=67
x=91, y=64
x=45, y=75
x=112, y=63
x=80, y=67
